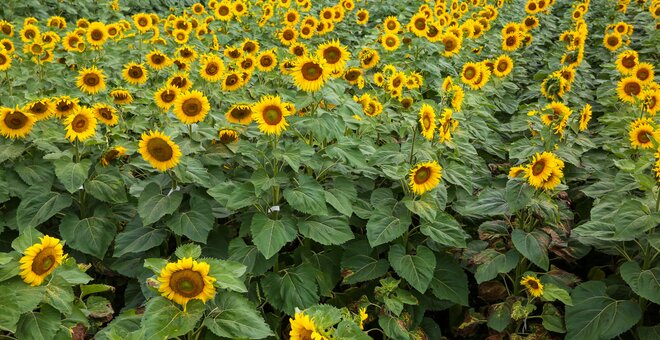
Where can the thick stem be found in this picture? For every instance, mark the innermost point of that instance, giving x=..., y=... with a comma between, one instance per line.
x=412, y=149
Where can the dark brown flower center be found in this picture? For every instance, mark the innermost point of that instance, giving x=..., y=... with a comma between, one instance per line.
x=632, y=89
x=422, y=175
x=532, y=284
x=266, y=61
x=288, y=35
x=390, y=41
x=538, y=167
x=168, y=96
x=352, y=75
x=105, y=113
x=629, y=61
x=246, y=64
x=191, y=107
x=511, y=41
x=157, y=59
x=3, y=59
x=469, y=73
x=612, y=40
x=272, y=115
x=97, y=35
x=16, y=120
x=135, y=72
x=79, y=123
x=44, y=261
x=311, y=71
x=91, y=79
x=38, y=108
x=232, y=79
x=143, y=22
x=502, y=66
x=420, y=24
x=160, y=150
x=212, y=68
x=642, y=74
x=643, y=137
x=241, y=112
x=187, y=283
x=332, y=54
x=179, y=82
x=227, y=137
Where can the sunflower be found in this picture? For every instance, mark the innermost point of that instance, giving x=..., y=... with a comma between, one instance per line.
x=511, y=42
x=585, y=117
x=64, y=106
x=304, y=328
x=540, y=169
x=425, y=177
x=516, y=171
x=14, y=123
x=310, y=73
x=362, y=16
x=287, y=36
x=447, y=125
x=228, y=136
x=191, y=107
x=6, y=28
x=427, y=121
x=159, y=150
x=470, y=72
x=644, y=73
x=106, y=114
x=91, y=80
x=80, y=125
x=334, y=54
x=247, y=64
x=452, y=45
x=531, y=22
x=250, y=46
x=142, y=22
x=503, y=66
x=40, y=109
x=180, y=80
x=239, y=114
x=186, y=53
x=363, y=316
x=418, y=24
x=533, y=285
x=266, y=61
x=232, y=81
x=165, y=96
x=628, y=89
x=29, y=32
x=353, y=75
x=212, y=68
x=651, y=101
x=269, y=113
x=121, y=96
x=642, y=135
x=233, y=53
x=186, y=280
x=612, y=41
x=390, y=42
x=112, y=154
x=157, y=60
x=369, y=58
x=180, y=36
x=135, y=73
x=40, y=259
x=223, y=11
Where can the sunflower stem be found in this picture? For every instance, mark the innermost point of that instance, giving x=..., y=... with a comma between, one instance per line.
x=412, y=149
x=657, y=200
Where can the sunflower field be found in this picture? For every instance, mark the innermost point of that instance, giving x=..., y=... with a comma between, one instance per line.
x=329, y=169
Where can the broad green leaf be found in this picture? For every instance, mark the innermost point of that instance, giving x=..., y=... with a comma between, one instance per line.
x=385, y=225
x=153, y=205
x=518, y=194
x=359, y=265
x=552, y=292
x=342, y=196
x=425, y=206
x=449, y=281
x=91, y=235
x=492, y=262
x=9, y=316
x=646, y=283
x=308, y=197
x=195, y=224
x=24, y=296
x=533, y=246
x=271, y=235
x=552, y=319
x=349, y=330
x=228, y=274
x=138, y=240
x=188, y=250
x=249, y=256
x=296, y=288
x=393, y=327
x=234, y=316
x=445, y=230
x=95, y=288
x=416, y=269
x=59, y=296
x=72, y=174
x=649, y=333
x=490, y=202
x=27, y=238
x=107, y=186
x=233, y=196
x=40, y=325
x=164, y=318
x=324, y=316
x=38, y=205
x=499, y=316
x=70, y=273
x=595, y=315
x=327, y=230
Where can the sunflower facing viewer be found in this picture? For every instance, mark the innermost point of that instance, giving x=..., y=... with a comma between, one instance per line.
x=186, y=280
x=40, y=260
x=159, y=150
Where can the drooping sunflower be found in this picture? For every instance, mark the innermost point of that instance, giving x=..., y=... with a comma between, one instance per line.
x=135, y=73
x=585, y=117
x=157, y=60
x=540, y=168
x=447, y=125
x=425, y=177
x=212, y=68
x=628, y=89
x=112, y=154
x=642, y=136
x=390, y=42
x=191, y=107
x=239, y=114
x=369, y=58
x=503, y=66
x=40, y=259
x=334, y=54
x=269, y=113
x=516, y=171
x=232, y=81
x=304, y=328
x=228, y=136
x=651, y=101
x=186, y=280
x=159, y=150
x=64, y=106
x=266, y=61
x=15, y=123
x=644, y=73
x=612, y=41
x=165, y=96
x=106, y=114
x=121, y=96
x=40, y=109
x=310, y=73
x=427, y=121
x=91, y=80
x=533, y=285
x=180, y=80
x=81, y=124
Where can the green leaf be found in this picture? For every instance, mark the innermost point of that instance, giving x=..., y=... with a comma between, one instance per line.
x=533, y=246
x=70, y=273
x=646, y=283
x=195, y=224
x=342, y=196
x=233, y=196
x=493, y=262
x=38, y=205
x=553, y=292
x=393, y=327
x=499, y=316
x=228, y=274
x=59, y=296
x=295, y=289
x=40, y=325
x=518, y=194
x=271, y=235
x=445, y=230
x=552, y=319
x=349, y=330
x=91, y=235
x=449, y=281
x=308, y=197
x=233, y=316
x=107, y=186
x=72, y=174
x=426, y=206
x=327, y=230
x=188, y=250
x=324, y=316
x=649, y=333
x=95, y=288
x=595, y=315
x=359, y=265
x=9, y=316
x=153, y=205
x=163, y=318
x=138, y=240
x=386, y=225
x=416, y=269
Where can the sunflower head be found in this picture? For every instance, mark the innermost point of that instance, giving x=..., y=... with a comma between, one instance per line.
x=269, y=113
x=15, y=123
x=629, y=88
x=310, y=73
x=503, y=66
x=642, y=135
x=612, y=41
x=212, y=68
x=427, y=121
x=40, y=259
x=334, y=54
x=112, y=154
x=228, y=136
x=239, y=114
x=40, y=109
x=232, y=81
x=64, y=106
x=266, y=61
x=121, y=96
x=91, y=80
x=106, y=114
x=585, y=117
x=186, y=280
x=545, y=171
x=533, y=285
x=135, y=73
x=159, y=150
x=165, y=96
x=425, y=177
x=304, y=328
x=81, y=124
